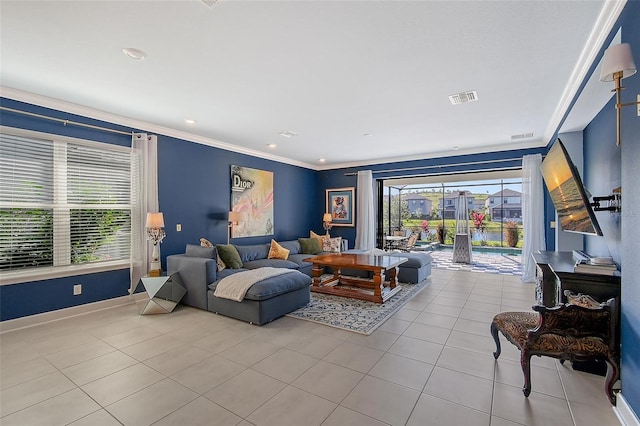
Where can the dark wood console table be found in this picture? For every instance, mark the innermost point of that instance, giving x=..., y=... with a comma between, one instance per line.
x=554, y=275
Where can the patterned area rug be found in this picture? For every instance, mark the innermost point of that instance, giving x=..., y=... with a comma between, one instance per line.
x=359, y=316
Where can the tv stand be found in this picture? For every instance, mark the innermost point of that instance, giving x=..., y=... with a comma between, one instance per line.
x=554, y=275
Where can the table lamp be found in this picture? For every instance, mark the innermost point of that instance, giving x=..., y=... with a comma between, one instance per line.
x=326, y=222
x=155, y=233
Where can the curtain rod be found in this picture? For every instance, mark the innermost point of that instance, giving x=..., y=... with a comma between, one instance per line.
x=438, y=166
x=65, y=122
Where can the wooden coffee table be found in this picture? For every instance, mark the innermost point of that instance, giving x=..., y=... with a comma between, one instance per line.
x=374, y=290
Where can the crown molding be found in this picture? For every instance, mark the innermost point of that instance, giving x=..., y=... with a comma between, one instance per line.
x=84, y=111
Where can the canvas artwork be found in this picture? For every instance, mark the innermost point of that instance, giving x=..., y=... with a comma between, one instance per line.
x=252, y=195
x=340, y=204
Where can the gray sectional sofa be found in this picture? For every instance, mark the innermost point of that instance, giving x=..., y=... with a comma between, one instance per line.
x=265, y=301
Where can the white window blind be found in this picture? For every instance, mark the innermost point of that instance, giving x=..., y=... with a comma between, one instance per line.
x=62, y=202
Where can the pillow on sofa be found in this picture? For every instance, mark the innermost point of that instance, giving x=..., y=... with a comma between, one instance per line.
x=205, y=243
x=331, y=245
x=277, y=251
x=198, y=251
x=220, y=265
x=310, y=245
x=229, y=256
x=316, y=236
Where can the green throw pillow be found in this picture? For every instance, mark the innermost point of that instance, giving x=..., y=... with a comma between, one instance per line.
x=229, y=255
x=310, y=245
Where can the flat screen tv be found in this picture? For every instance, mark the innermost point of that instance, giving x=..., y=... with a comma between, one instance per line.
x=567, y=192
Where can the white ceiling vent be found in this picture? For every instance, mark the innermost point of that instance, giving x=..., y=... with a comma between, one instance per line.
x=463, y=98
x=288, y=134
x=521, y=136
x=210, y=3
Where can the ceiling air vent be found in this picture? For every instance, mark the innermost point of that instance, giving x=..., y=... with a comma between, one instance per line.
x=288, y=134
x=463, y=98
x=210, y=3
x=521, y=136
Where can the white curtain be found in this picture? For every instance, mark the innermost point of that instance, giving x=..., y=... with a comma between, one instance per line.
x=144, y=182
x=365, y=225
x=532, y=214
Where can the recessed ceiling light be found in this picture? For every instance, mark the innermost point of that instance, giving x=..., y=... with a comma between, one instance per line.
x=288, y=134
x=367, y=134
x=322, y=160
x=272, y=145
x=190, y=121
x=136, y=54
x=455, y=148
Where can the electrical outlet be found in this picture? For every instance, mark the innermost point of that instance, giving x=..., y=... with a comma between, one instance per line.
x=552, y=225
x=77, y=289
x=178, y=227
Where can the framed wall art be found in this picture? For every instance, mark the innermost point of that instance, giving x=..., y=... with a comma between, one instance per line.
x=252, y=196
x=340, y=203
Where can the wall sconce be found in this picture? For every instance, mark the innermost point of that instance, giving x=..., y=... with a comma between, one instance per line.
x=616, y=65
x=155, y=233
x=234, y=219
x=326, y=222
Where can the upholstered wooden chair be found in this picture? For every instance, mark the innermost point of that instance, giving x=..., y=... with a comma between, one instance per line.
x=579, y=330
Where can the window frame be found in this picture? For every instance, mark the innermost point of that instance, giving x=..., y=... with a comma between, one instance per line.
x=61, y=267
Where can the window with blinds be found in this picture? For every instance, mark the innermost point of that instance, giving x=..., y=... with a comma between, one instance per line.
x=62, y=202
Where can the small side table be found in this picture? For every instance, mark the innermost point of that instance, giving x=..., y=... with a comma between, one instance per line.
x=163, y=293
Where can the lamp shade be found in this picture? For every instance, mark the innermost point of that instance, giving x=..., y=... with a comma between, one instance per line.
x=235, y=217
x=326, y=217
x=155, y=220
x=617, y=58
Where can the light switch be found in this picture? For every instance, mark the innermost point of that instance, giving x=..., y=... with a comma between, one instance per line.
x=178, y=227
x=552, y=224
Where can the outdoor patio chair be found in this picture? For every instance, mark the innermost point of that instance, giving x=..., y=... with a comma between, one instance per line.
x=409, y=243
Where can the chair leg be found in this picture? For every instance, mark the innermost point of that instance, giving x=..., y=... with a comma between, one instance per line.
x=612, y=376
x=525, y=362
x=494, y=333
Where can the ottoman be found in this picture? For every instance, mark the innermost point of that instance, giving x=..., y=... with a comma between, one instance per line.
x=266, y=300
x=414, y=270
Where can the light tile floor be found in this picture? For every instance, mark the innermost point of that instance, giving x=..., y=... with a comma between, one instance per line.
x=431, y=364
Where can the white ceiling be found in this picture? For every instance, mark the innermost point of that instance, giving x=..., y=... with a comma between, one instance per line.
x=331, y=71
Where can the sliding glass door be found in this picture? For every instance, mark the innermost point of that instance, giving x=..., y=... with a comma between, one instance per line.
x=428, y=206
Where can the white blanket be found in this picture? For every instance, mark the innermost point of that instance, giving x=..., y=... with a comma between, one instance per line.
x=235, y=286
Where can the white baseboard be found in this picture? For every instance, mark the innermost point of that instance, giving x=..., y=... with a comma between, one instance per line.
x=38, y=319
x=624, y=412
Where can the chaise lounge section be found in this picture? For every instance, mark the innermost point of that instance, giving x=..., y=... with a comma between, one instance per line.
x=264, y=301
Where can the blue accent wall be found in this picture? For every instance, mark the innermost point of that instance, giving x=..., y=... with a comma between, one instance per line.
x=194, y=190
x=606, y=167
